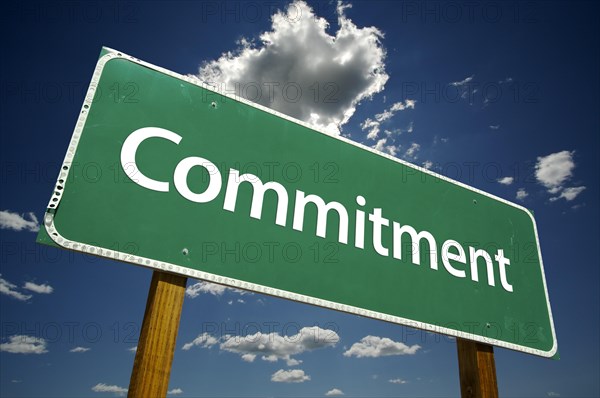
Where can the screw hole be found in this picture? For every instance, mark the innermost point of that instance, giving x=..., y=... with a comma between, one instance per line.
x=185, y=252
x=65, y=167
x=474, y=201
x=213, y=105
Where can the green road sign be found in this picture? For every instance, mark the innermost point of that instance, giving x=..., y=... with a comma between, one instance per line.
x=165, y=172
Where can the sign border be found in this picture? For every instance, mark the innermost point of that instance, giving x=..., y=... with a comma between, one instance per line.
x=110, y=54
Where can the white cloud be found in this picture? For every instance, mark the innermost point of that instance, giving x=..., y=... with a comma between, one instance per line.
x=10, y=290
x=333, y=71
x=506, y=180
x=204, y=340
x=101, y=387
x=462, y=82
x=80, y=349
x=335, y=392
x=175, y=391
x=132, y=349
x=382, y=147
x=569, y=194
x=553, y=394
x=428, y=164
x=21, y=344
x=17, y=222
x=199, y=288
x=374, y=347
x=398, y=381
x=41, y=289
x=289, y=376
x=411, y=152
x=196, y=289
x=271, y=347
x=373, y=126
x=554, y=170
x=522, y=194
x=495, y=127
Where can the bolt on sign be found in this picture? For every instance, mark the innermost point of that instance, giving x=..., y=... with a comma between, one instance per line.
x=166, y=172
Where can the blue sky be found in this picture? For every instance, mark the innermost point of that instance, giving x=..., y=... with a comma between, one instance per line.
x=501, y=96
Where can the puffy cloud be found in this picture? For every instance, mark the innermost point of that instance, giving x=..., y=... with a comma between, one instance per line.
x=21, y=344
x=506, y=180
x=204, y=340
x=554, y=170
x=397, y=381
x=270, y=347
x=411, y=152
x=522, y=194
x=335, y=392
x=382, y=147
x=101, y=387
x=80, y=349
x=495, y=127
x=374, y=347
x=289, y=376
x=41, y=289
x=10, y=289
x=175, y=391
x=301, y=70
x=569, y=194
x=17, y=222
x=428, y=164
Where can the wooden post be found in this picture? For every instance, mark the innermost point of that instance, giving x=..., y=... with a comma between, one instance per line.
x=477, y=370
x=156, y=346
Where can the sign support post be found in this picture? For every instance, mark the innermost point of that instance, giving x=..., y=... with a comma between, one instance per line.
x=156, y=346
x=477, y=369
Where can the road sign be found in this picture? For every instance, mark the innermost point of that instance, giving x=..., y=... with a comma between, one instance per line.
x=165, y=172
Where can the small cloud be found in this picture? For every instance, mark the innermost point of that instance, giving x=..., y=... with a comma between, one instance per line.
x=495, y=127
x=373, y=126
x=204, y=340
x=175, y=391
x=101, y=387
x=569, y=194
x=462, y=82
x=10, y=290
x=335, y=392
x=16, y=381
x=553, y=394
x=132, y=349
x=428, y=164
x=80, y=349
x=554, y=170
x=375, y=347
x=506, y=180
x=398, y=381
x=522, y=194
x=506, y=80
x=41, y=289
x=289, y=376
x=382, y=147
x=17, y=222
x=199, y=288
x=411, y=152
x=21, y=344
